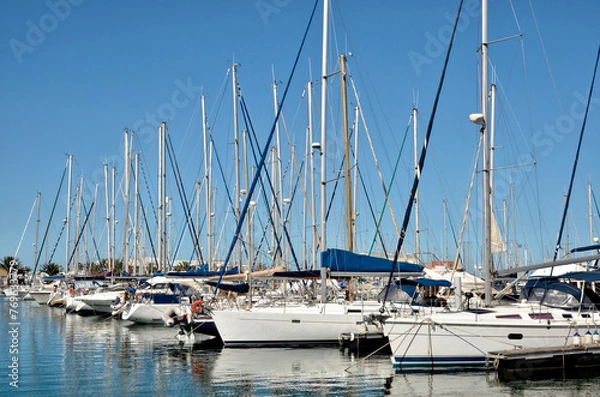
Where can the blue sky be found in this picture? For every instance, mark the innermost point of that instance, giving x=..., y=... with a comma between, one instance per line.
x=77, y=73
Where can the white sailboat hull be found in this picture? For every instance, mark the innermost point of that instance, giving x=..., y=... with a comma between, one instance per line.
x=288, y=325
x=464, y=339
x=41, y=296
x=148, y=313
x=101, y=302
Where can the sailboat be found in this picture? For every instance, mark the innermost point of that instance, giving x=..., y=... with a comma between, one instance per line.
x=293, y=315
x=551, y=312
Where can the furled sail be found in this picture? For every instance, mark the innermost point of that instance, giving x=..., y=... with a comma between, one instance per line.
x=497, y=242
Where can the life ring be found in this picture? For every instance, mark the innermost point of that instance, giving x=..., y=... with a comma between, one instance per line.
x=139, y=295
x=198, y=307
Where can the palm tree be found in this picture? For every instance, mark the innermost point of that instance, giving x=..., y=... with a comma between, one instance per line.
x=182, y=266
x=52, y=269
x=8, y=260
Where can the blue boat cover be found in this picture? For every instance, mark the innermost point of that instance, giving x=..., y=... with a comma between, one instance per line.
x=240, y=288
x=430, y=282
x=349, y=262
x=590, y=277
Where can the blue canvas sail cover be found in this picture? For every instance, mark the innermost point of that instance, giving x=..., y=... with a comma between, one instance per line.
x=342, y=262
x=202, y=272
x=241, y=288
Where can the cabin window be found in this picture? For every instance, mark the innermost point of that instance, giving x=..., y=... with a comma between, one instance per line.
x=515, y=336
x=541, y=316
x=510, y=316
x=295, y=321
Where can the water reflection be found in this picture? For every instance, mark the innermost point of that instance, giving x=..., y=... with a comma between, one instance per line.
x=71, y=355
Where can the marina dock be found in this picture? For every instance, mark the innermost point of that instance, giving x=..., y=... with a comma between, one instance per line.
x=569, y=362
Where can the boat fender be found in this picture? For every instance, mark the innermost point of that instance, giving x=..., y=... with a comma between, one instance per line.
x=71, y=291
x=198, y=307
x=351, y=336
x=576, y=339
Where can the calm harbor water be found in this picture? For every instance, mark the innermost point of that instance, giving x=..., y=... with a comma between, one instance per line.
x=71, y=355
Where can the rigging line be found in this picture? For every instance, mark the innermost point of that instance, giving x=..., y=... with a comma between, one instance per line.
x=289, y=210
x=264, y=153
x=546, y=58
x=537, y=190
x=587, y=108
x=26, y=226
x=62, y=229
x=75, y=246
x=595, y=203
x=253, y=142
x=381, y=179
x=453, y=231
x=62, y=179
x=423, y=154
x=366, y=77
x=387, y=197
x=96, y=251
x=249, y=124
x=154, y=255
x=200, y=229
x=515, y=16
x=370, y=206
x=188, y=131
x=466, y=214
x=147, y=185
x=177, y=248
x=222, y=173
x=183, y=198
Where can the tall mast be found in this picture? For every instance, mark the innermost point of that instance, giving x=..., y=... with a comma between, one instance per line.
x=492, y=147
x=68, y=217
x=355, y=166
x=94, y=214
x=591, y=214
x=505, y=222
x=113, y=222
x=487, y=187
x=79, y=197
x=236, y=140
x=246, y=188
x=207, y=184
x=106, y=199
x=37, y=225
x=127, y=191
x=277, y=197
x=416, y=164
x=323, y=193
x=162, y=199
x=312, y=176
x=348, y=166
x=136, y=217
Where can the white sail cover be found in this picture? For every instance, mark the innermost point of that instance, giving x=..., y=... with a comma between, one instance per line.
x=497, y=242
